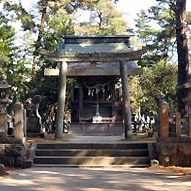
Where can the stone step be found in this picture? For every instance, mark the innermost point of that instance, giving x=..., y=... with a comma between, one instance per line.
x=91, y=152
x=93, y=166
x=93, y=146
x=91, y=161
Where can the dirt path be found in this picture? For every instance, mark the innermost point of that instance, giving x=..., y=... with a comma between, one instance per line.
x=77, y=179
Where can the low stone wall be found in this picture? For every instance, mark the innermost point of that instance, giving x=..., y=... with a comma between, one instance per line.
x=14, y=155
x=174, y=152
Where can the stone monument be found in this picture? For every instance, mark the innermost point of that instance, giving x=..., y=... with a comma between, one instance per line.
x=4, y=102
x=34, y=124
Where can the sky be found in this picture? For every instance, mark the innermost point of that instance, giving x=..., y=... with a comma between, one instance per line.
x=132, y=8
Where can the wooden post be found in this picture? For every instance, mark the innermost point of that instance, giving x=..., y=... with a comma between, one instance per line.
x=25, y=124
x=178, y=124
x=126, y=100
x=18, y=130
x=80, y=101
x=61, y=101
x=114, y=116
x=164, y=120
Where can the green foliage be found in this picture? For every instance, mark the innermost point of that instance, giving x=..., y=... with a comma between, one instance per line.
x=160, y=79
x=6, y=38
x=21, y=15
x=156, y=29
x=18, y=75
x=47, y=88
x=105, y=20
x=15, y=70
x=59, y=23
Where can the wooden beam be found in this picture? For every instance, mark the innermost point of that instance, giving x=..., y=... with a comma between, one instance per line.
x=95, y=39
x=91, y=72
x=93, y=57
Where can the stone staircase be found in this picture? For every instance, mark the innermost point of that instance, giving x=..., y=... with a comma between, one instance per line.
x=92, y=154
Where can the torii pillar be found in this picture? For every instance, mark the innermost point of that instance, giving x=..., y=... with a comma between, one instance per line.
x=61, y=100
x=126, y=100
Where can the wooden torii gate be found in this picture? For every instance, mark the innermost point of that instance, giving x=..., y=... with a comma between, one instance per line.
x=93, y=49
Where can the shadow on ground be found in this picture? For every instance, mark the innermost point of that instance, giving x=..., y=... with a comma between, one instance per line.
x=79, y=179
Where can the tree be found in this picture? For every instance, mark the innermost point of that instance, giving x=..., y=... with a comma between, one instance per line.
x=104, y=20
x=156, y=30
x=15, y=69
x=6, y=39
x=160, y=79
x=20, y=14
x=178, y=7
x=169, y=17
x=182, y=49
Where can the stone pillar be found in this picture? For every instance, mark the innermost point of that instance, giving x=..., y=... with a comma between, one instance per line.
x=3, y=124
x=61, y=101
x=18, y=130
x=126, y=100
x=25, y=124
x=164, y=120
x=178, y=124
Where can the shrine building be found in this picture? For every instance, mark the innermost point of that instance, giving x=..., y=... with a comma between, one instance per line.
x=100, y=65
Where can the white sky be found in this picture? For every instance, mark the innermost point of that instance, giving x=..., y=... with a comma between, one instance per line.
x=132, y=7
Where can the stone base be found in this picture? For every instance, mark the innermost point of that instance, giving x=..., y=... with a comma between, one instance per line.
x=15, y=155
x=27, y=164
x=41, y=135
x=174, y=152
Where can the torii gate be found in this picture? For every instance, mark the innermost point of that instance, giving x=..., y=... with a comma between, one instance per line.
x=94, y=49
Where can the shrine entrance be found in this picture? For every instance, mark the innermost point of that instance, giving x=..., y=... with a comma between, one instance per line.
x=95, y=100
x=96, y=105
x=100, y=99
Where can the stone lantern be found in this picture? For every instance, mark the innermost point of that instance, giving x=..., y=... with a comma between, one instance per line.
x=4, y=102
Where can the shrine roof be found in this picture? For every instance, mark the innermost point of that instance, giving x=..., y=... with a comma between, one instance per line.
x=94, y=49
x=94, y=44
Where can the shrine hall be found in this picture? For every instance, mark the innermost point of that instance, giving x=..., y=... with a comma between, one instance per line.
x=100, y=65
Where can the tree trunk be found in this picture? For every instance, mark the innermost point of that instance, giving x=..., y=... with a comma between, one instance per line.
x=39, y=39
x=182, y=49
